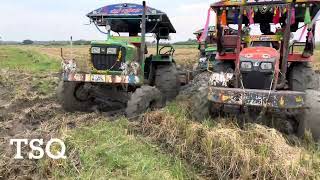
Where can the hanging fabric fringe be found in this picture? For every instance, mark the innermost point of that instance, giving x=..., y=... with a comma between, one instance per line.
x=251, y=16
x=293, y=15
x=307, y=18
x=204, y=34
x=312, y=23
x=223, y=20
x=276, y=16
x=302, y=33
x=310, y=36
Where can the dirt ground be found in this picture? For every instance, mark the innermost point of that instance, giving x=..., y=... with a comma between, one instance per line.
x=27, y=113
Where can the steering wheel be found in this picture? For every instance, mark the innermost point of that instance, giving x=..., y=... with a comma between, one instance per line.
x=168, y=52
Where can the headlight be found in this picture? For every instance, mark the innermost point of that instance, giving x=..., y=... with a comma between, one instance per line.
x=246, y=65
x=95, y=50
x=266, y=65
x=112, y=51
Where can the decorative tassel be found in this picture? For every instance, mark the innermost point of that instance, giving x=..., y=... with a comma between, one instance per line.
x=236, y=16
x=310, y=36
x=223, y=20
x=307, y=18
x=284, y=10
x=276, y=16
x=293, y=15
x=251, y=16
x=206, y=27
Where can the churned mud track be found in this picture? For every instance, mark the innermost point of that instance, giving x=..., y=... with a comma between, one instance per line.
x=33, y=119
x=28, y=112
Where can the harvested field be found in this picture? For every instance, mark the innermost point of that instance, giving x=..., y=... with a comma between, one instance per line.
x=164, y=144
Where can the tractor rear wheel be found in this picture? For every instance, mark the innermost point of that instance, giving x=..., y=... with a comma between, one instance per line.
x=302, y=77
x=310, y=119
x=167, y=80
x=144, y=98
x=72, y=97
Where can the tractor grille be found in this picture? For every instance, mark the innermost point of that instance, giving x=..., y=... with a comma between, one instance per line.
x=257, y=80
x=104, y=61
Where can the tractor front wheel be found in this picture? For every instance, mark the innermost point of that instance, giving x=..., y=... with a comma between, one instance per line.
x=310, y=118
x=73, y=97
x=301, y=77
x=144, y=98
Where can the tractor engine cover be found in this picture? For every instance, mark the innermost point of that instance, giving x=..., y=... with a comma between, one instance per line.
x=107, y=57
x=257, y=66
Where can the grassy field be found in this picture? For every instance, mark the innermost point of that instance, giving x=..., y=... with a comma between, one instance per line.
x=165, y=144
x=104, y=149
x=107, y=150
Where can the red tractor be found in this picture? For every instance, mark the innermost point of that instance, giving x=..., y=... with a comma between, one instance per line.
x=263, y=70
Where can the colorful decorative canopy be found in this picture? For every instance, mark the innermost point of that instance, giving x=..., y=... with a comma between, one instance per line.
x=125, y=9
x=126, y=17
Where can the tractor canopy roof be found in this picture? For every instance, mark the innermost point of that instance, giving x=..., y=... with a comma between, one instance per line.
x=225, y=3
x=126, y=17
x=210, y=29
x=264, y=9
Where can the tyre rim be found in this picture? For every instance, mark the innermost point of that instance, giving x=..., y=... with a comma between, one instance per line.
x=81, y=94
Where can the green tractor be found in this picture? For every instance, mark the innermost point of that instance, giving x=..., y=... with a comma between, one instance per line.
x=207, y=49
x=121, y=77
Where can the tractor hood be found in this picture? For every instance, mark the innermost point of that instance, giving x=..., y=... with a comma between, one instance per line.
x=259, y=53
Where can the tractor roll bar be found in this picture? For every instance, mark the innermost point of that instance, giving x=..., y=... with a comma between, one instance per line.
x=143, y=34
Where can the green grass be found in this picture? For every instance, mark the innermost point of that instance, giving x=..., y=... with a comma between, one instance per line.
x=14, y=58
x=107, y=151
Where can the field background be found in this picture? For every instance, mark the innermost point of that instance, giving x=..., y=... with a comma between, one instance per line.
x=165, y=144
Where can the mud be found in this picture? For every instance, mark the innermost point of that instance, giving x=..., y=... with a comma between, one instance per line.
x=27, y=113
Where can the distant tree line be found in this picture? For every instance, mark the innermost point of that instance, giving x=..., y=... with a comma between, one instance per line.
x=27, y=42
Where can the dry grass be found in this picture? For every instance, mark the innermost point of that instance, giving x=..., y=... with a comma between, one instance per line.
x=224, y=151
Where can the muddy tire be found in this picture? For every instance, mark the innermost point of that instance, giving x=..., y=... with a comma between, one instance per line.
x=310, y=120
x=144, y=98
x=66, y=96
x=200, y=109
x=167, y=81
x=302, y=77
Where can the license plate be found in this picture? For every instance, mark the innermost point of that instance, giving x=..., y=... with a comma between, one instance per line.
x=98, y=78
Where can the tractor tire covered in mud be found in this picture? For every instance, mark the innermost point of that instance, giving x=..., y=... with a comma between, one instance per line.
x=310, y=119
x=67, y=95
x=197, y=93
x=301, y=77
x=167, y=80
x=200, y=110
x=144, y=98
